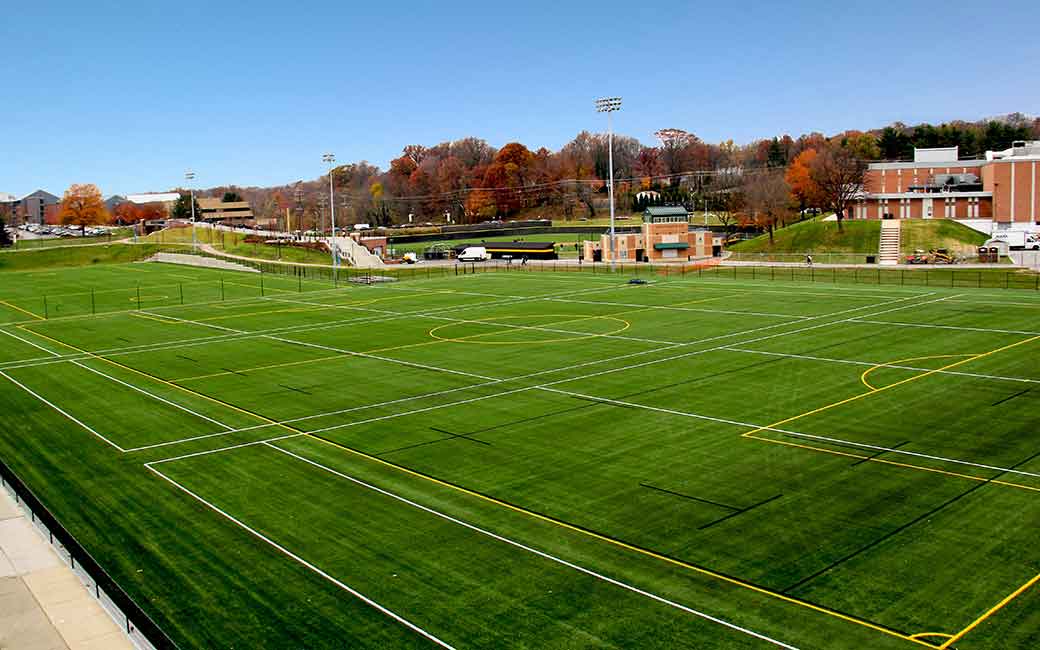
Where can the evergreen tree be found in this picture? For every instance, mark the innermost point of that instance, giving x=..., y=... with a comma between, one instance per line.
x=5, y=238
x=182, y=208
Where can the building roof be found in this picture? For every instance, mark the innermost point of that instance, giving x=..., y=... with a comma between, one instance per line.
x=153, y=197
x=44, y=195
x=7, y=198
x=666, y=211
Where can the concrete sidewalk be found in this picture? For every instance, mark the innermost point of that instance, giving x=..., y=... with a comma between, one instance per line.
x=43, y=605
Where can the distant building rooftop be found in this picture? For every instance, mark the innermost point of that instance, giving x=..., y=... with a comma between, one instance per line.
x=153, y=197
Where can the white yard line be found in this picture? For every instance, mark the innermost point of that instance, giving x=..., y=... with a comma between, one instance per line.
x=687, y=309
x=884, y=365
x=56, y=408
x=35, y=345
x=155, y=397
x=536, y=552
x=345, y=587
x=944, y=327
x=798, y=434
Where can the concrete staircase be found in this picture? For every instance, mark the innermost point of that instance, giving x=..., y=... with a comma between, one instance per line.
x=355, y=254
x=888, y=250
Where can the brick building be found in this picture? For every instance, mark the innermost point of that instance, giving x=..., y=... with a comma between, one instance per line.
x=664, y=236
x=998, y=193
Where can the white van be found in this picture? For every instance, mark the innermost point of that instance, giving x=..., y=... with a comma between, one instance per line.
x=474, y=254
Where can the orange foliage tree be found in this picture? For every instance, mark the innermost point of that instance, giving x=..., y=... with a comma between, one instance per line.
x=82, y=205
x=803, y=185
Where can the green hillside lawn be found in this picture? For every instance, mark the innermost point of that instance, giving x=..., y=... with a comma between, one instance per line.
x=234, y=243
x=74, y=256
x=859, y=237
x=921, y=234
x=478, y=399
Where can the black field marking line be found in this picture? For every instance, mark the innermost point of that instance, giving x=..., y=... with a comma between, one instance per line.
x=297, y=390
x=181, y=356
x=1011, y=397
x=903, y=527
x=687, y=496
x=425, y=443
x=570, y=379
x=739, y=512
x=345, y=587
x=877, y=454
x=533, y=551
x=703, y=570
x=234, y=372
x=222, y=338
x=897, y=366
x=944, y=327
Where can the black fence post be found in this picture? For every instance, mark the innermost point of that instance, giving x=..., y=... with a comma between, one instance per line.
x=45, y=313
x=93, y=306
x=221, y=289
x=181, y=285
x=261, y=282
x=138, y=297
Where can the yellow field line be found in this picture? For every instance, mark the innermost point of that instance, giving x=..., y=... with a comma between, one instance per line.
x=624, y=545
x=618, y=543
x=24, y=311
x=993, y=610
x=889, y=364
x=888, y=386
x=268, y=367
x=896, y=463
x=921, y=635
x=156, y=318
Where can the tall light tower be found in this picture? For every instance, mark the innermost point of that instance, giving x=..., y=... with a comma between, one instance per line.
x=190, y=177
x=331, y=160
x=608, y=105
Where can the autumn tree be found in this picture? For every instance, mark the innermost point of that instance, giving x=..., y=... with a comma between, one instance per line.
x=839, y=175
x=82, y=205
x=768, y=199
x=799, y=178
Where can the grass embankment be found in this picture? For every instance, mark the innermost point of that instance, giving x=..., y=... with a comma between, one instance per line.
x=114, y=235
x=920, y=234
x=852, y=243
x=235, y=243
x=76, y=256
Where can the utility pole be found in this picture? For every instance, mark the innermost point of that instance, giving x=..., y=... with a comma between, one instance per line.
x=608, y=105
x=331, y=160
x=190, y=177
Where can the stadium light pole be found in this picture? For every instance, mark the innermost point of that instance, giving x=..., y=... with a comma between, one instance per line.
x=331, y=160
x=190, y=177
x=608, y=105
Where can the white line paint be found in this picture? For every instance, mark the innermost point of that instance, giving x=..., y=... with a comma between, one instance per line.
x=56, y=408
x=154, y=396
x=885, y=365
x=541, y=554
x=943, y=327
x=342, y=585
x=799, y=434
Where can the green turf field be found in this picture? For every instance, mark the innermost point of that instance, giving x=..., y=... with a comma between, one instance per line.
x=539, y=459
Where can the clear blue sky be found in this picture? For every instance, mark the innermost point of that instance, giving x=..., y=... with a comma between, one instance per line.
x=128, y=95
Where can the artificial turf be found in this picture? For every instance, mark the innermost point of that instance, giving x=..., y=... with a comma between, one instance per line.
x=538, y=459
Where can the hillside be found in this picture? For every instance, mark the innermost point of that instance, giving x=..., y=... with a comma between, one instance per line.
x=859, y=238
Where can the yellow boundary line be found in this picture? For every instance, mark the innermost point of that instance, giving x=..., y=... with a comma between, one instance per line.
x=625, y=545
x=889, y=364
x=921, y=635
x=992, y=610
x=24, y=311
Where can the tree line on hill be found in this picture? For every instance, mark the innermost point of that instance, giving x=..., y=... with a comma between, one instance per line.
x=465, y=181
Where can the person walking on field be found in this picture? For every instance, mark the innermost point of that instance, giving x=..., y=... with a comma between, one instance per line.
x=808, y=260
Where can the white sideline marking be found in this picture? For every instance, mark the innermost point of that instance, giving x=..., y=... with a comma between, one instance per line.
x=35, y=345
x=154, y=396
x=353, y=592
x=945, y=327
x=885, y=365
x=791, y=433
x=222, y=338
x=37, y=396
x=565, y=380
x=541, y=554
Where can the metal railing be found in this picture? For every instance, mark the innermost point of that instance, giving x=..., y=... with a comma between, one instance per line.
x=137, y=625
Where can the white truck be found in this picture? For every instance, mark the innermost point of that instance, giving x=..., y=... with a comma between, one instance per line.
x=1017, y=239
x=474, y=254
